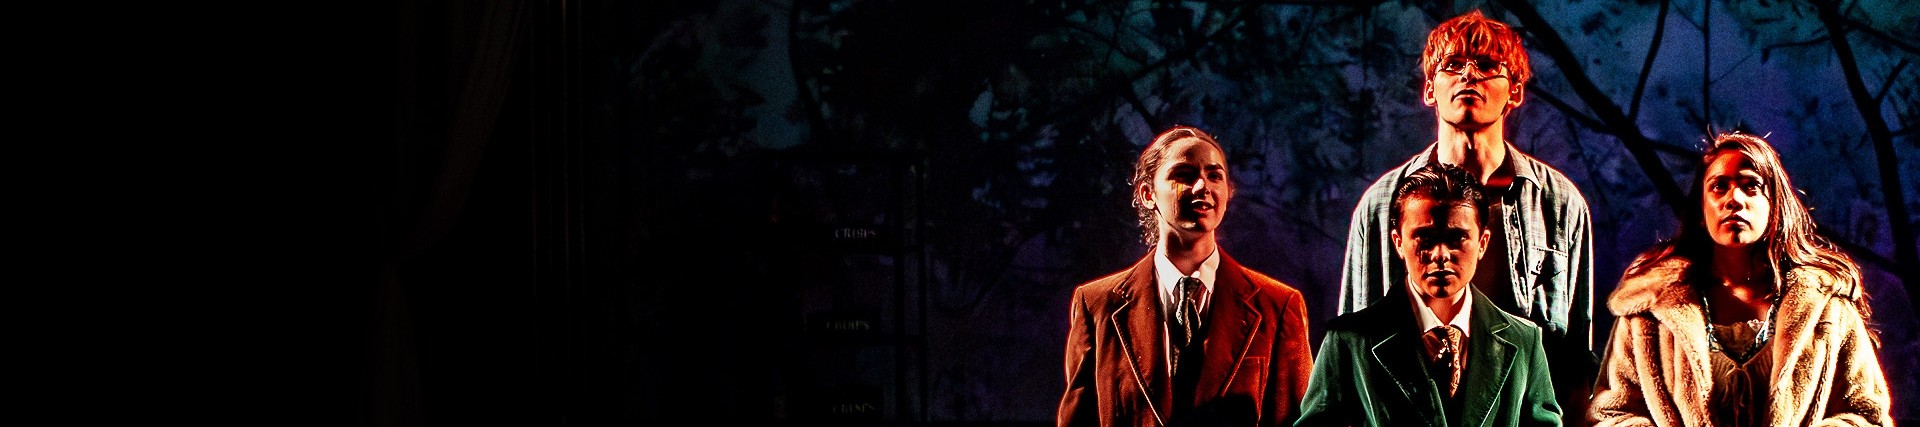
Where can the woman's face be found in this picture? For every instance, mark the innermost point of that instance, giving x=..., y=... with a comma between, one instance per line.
x=1734, y=201
x=1191, y=188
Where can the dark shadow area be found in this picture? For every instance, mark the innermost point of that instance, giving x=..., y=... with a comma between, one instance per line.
x=873, y=212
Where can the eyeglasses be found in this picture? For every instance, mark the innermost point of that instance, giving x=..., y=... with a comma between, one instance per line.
x=1457, y=65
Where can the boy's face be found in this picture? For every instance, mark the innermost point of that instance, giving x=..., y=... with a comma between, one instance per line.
x=1471, y=92
x=1440, y=243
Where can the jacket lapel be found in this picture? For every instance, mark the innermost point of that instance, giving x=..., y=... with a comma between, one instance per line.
x=1677, y=304
x=1136, y=321
x=1232, y=322
x=1489, y=361
x=1656, y=285
x=1400, y=353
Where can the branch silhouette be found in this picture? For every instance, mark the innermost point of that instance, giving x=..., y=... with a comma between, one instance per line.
x=1905, y=257
x=1888, y=85
x=1612, y=120
x=1646, y=68
x=1121, y=87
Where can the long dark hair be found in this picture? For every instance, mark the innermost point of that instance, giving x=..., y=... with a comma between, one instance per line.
x=1790, y=239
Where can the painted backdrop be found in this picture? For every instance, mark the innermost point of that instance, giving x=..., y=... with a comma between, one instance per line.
x=873, y=211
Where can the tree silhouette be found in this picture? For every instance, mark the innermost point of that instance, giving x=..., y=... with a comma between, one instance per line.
x=1016, y=122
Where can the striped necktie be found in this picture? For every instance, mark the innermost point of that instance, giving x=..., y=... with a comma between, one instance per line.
x=1186, y=319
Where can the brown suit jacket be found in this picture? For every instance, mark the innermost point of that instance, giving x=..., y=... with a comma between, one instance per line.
x=1257, y=358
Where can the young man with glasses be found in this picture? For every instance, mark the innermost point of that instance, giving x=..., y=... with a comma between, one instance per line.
x=1539, y=262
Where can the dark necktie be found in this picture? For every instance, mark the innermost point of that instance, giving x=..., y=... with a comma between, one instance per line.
x=1186, y=319
x=1443, y=356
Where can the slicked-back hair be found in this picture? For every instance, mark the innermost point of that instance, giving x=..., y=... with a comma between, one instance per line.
x=1443, y=184
x=1149, y=163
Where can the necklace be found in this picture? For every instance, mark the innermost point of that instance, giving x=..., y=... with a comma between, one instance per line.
x=1760, y=337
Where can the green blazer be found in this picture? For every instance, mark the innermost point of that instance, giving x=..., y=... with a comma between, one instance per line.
x=1371, y=371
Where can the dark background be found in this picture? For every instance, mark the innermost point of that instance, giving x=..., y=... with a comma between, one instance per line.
x=872, y=212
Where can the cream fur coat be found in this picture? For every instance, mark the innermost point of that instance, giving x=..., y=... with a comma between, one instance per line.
x=1655, y=369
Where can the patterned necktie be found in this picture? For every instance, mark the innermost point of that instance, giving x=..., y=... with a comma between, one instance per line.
x=1443, y=355
x=1186, y=319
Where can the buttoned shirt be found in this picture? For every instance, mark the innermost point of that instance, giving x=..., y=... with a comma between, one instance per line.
x=1428, y=320
x=1169, y=276
x=1549, y=248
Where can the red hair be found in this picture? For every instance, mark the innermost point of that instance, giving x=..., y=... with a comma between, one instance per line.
x=1473, y=35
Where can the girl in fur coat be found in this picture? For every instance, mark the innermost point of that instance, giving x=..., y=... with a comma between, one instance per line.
x=1747, y=318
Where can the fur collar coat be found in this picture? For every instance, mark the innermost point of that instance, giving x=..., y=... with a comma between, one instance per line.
x=1656, y=366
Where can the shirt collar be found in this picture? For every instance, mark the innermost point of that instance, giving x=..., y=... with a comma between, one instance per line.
x=1428, y=320
x=1169, y=276
x=1513, y=163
